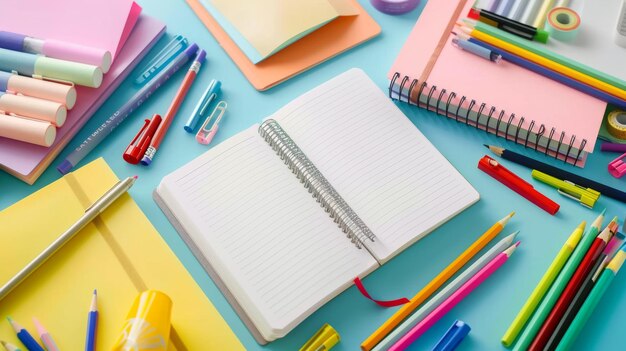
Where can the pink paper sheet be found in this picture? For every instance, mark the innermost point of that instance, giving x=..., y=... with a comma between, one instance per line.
x=504, y=86
x=103, y=24
x=27, y=161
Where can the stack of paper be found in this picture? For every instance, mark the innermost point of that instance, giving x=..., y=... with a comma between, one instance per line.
x=115, y=25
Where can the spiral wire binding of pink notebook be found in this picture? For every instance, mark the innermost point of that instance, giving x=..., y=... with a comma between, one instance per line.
x=502, y=99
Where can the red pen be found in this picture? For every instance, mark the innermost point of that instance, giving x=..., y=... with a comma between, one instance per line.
x=171, y=111
x=517, y=184
x=137, y=148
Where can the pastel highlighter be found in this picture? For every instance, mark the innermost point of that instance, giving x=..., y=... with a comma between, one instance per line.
x=27, y=130
x=62, y=93
x=40, y=109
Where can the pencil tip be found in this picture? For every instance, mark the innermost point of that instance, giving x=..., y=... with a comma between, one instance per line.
x=10, y=319
x=135, y=177
x=4, y=343
x=603, y=212
x=485, y=145
x=95, y=291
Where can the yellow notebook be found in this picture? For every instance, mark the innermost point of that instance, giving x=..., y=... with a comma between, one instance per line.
x=120, y=254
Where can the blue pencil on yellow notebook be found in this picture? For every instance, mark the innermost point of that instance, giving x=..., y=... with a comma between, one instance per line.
x=92, y=323
x=25, y=337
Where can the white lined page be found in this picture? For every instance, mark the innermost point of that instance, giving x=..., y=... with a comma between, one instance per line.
x=382, y=166
x=276, y=249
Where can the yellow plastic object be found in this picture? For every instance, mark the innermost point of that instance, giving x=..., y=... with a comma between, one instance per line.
x=147, y=325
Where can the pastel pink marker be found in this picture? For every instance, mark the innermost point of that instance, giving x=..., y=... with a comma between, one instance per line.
x=28, y=130
x=43, y=89
x=25, y=106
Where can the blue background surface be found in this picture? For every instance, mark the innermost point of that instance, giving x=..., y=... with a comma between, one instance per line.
x=488, y=310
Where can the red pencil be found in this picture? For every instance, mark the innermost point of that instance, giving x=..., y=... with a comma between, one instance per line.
x=171, y=111
x=553, y=319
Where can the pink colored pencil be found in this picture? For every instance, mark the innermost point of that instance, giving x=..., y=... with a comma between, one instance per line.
x=453, y=300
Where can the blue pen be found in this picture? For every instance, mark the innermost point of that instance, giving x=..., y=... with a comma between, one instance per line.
x=563, y=79
x=123, y=112
x=92, y=323
x=453, y=337
x=177, y=45
x=202, y=108
x=25, y=337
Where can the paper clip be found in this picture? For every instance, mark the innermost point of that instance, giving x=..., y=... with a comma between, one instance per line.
x=177, y=45
x=323, y=340
x=453, y=337
x=135, y=150
x=206, y=133
x=586, y=196
x=617, y=167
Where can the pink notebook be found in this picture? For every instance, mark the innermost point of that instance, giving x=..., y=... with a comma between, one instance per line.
x=27, y=161
x=506, y=99
x=102, y=24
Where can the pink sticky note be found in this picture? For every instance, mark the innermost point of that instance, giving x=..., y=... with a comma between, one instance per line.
x=101, y=24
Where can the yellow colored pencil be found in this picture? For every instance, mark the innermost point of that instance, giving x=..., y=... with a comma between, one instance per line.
x=434, y=284
x=547, y=63
x=543, y=286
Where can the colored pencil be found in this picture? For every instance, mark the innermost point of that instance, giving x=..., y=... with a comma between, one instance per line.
x=45, y=337
x=434, y=284
x=573, y=308
x=551, y=56
x=584, y=268
x=453, y=300
x=92, y=323
x=545, y=62
x=559, y=284
x=557, y=172
x=592, y=301
x=9, y=347
x=544, y=284
x=445, y=293
x=554, y=75
x=29, y=342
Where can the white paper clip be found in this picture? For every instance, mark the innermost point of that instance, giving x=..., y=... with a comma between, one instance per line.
x=206, y=133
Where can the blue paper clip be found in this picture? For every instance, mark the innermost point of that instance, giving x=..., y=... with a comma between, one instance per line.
x=453, y=337
x=177, y=45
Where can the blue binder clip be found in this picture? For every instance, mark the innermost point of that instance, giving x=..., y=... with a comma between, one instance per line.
x=453, y=337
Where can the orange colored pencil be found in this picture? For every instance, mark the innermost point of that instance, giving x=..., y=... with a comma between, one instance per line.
x=435, y=284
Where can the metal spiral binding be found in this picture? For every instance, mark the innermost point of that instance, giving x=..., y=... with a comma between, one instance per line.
x=442, y=108
x=315, y=183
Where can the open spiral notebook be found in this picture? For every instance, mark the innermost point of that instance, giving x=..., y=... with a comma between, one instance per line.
x=247, y=208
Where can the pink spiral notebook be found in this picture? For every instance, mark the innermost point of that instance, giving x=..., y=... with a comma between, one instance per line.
x=505, y=99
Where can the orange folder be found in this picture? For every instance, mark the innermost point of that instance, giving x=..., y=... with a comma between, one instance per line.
x=328, y=41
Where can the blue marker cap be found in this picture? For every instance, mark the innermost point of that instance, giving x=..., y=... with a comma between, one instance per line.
x=202, y=108
x=453, y=336
x=65, y=167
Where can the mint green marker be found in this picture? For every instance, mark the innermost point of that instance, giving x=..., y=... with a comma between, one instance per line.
x=592, y=300
x=559, y=284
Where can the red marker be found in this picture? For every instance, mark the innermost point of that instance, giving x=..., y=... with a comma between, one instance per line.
x=171, y=111
x=137, y=148
x=517, y=184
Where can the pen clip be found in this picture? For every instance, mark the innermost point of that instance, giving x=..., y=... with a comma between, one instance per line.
x=206, y=132
x=138, y=146
x=177, y=45
x=48, y=79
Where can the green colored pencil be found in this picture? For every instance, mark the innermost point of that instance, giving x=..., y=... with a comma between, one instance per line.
x=559, y=284
x=542, y=51
x=543, y=286
x=592, y=300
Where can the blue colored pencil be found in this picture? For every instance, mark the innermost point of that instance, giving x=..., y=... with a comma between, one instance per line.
x=548, y=73
x=25, y=337
x=92, y=323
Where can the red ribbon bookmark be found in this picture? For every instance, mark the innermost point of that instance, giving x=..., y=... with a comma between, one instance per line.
x=383, y=303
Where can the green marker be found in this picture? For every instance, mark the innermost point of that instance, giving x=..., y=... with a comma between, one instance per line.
x=592, y=300
x=559, y=284
x=543, y=286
